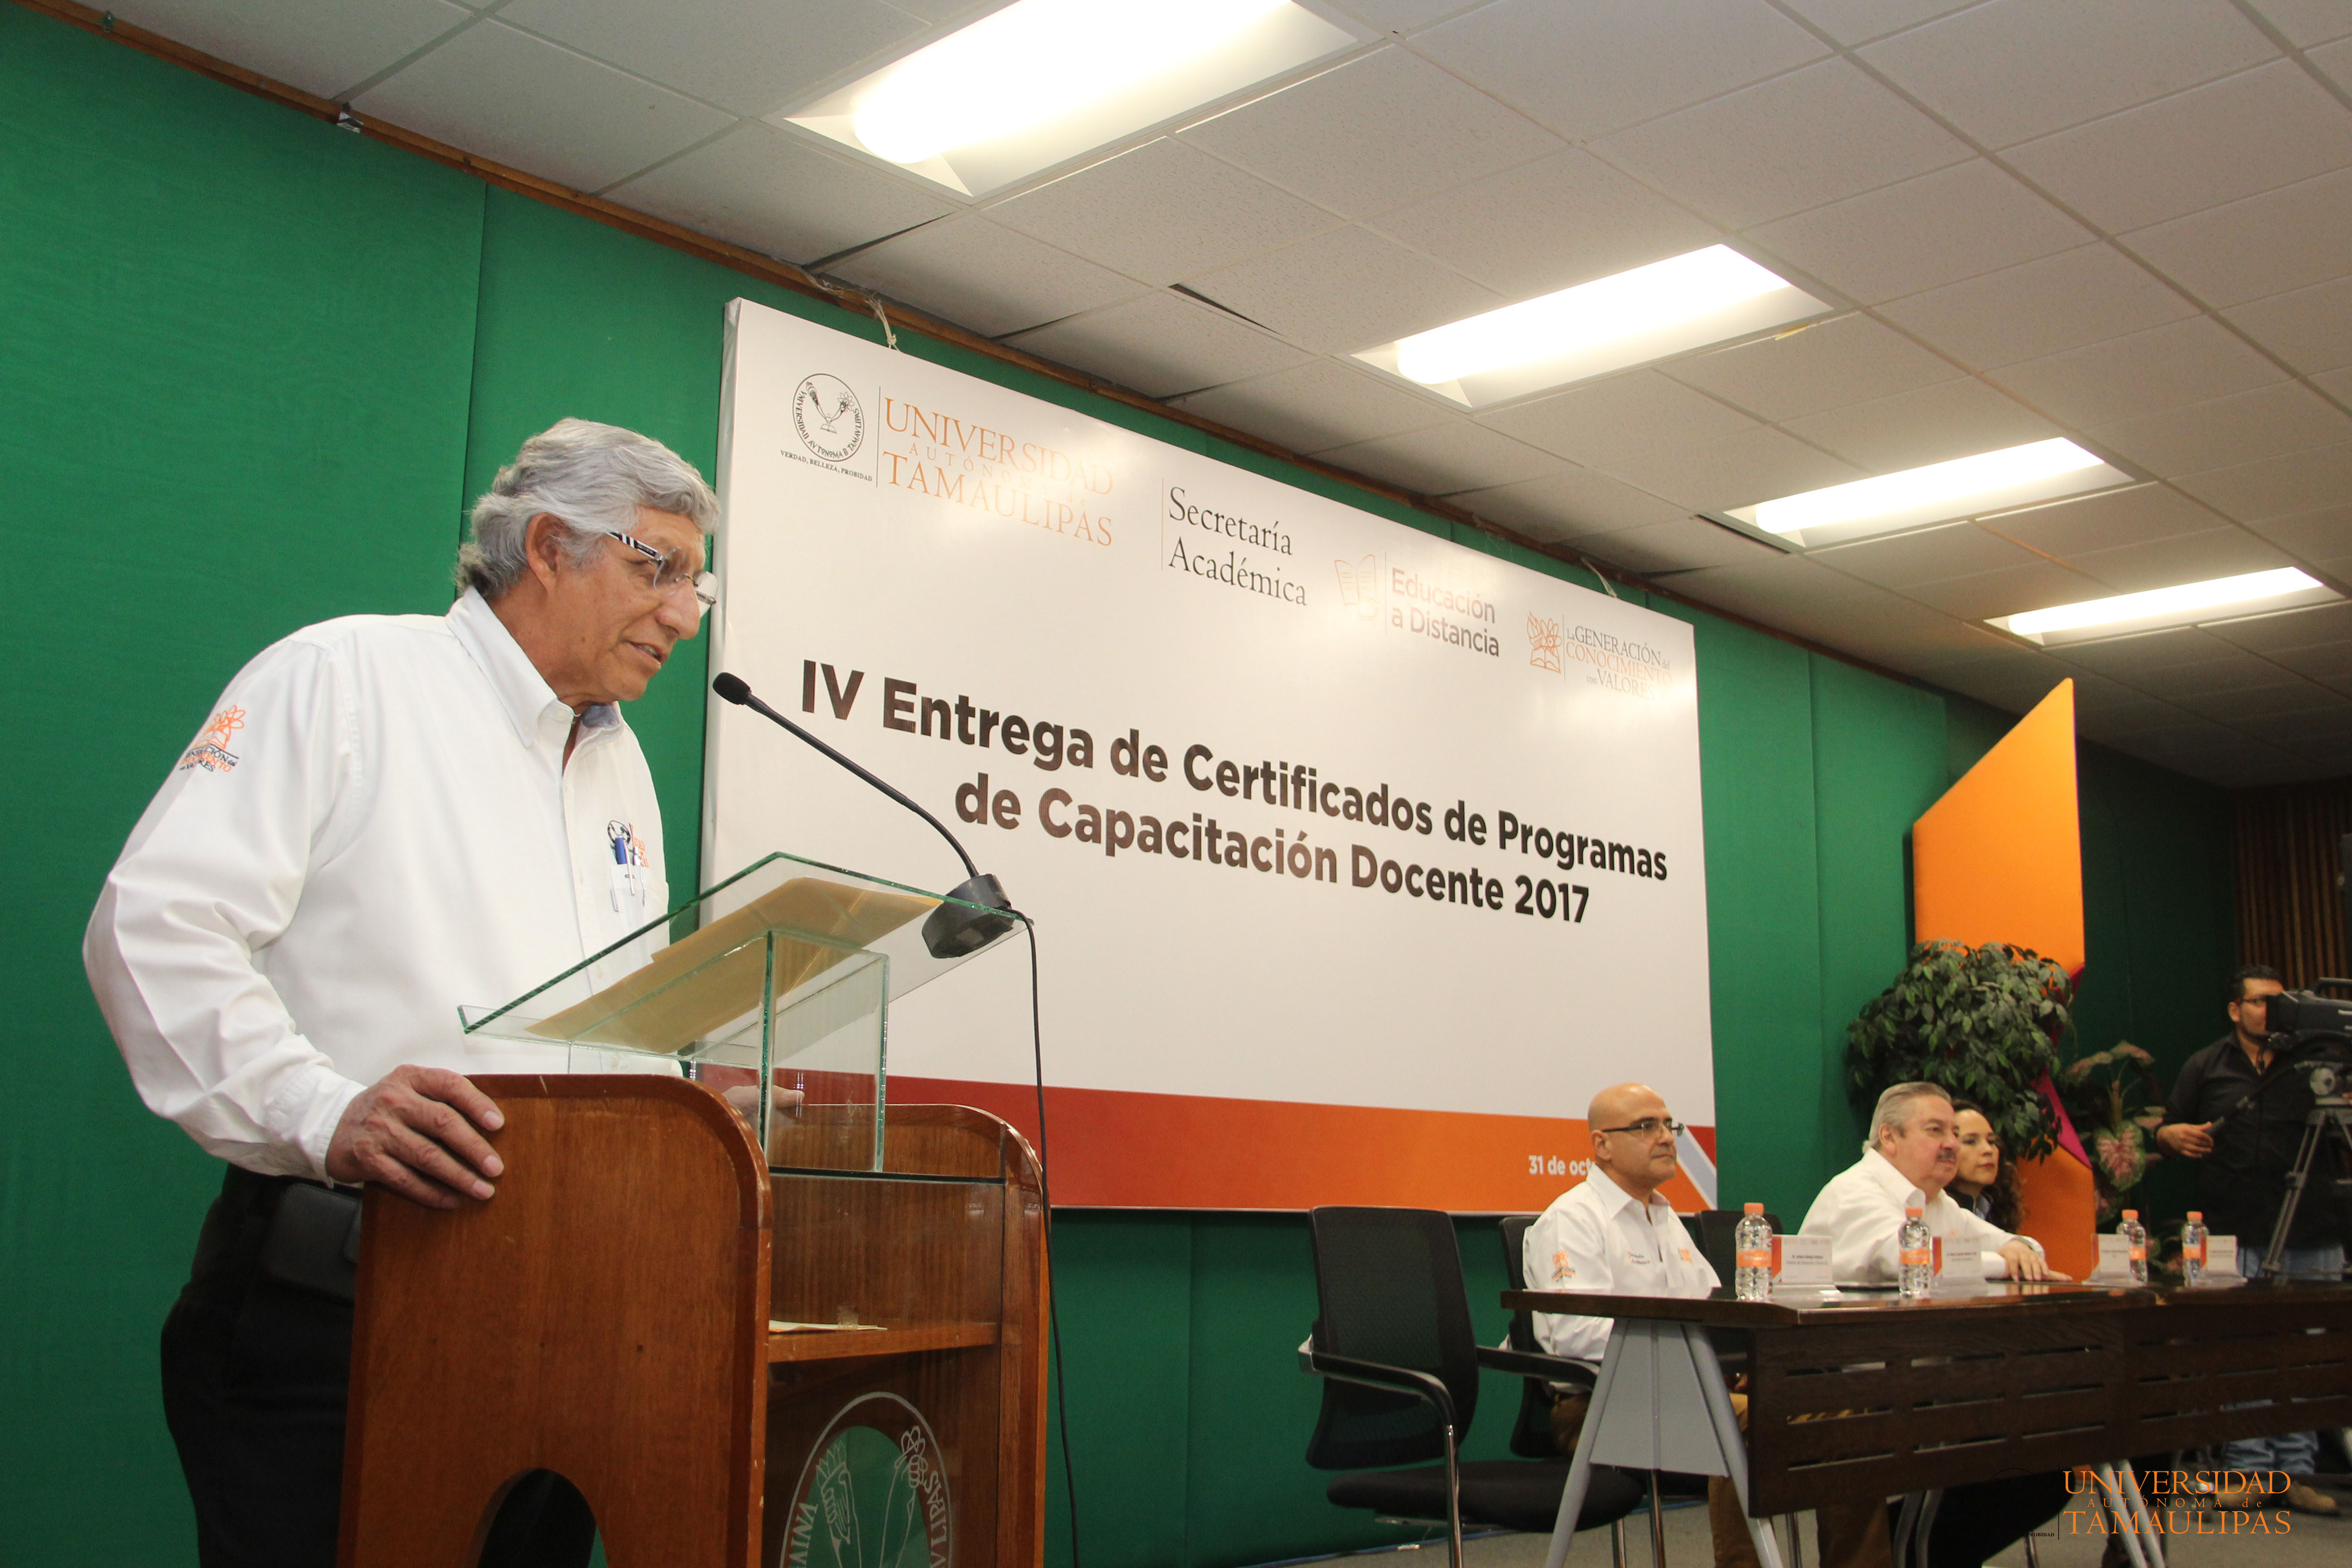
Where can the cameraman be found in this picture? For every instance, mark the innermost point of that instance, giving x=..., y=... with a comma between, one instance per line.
x=2237, y=1109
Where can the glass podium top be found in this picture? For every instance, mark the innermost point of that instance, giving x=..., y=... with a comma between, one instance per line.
x=704, y=980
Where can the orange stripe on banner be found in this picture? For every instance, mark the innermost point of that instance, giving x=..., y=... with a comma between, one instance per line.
x=1112, y=1149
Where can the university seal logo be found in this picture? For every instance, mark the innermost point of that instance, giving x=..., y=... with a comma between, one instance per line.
x=830, y=420
x=872, y=1494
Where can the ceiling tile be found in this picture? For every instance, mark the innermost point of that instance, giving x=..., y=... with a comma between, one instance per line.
x=746, y=58
x=2320, y=626
x=2311, y=329
x=2276, y=486
x=1852, y=359
x=1457, y=454
x=1890, y=630
x=2254, y=131
x=2292, y=695
x=2181, y=362
x=1543, y=225
x=2295, y=729
x=2307, y=22
x=2014, y=680
x=2183, y=558
x=1568, y=505
x=1675, y=544
x=2288, y=238
x=2149, y=659
x=519, y=100
x=2044, y=307
x=984, y=276
x=1377, y=131
x=2335, y=384
x=1800, y=141
x=2336, y=60
x=2032, y=586
x=2018, y=68
x=1770, y=589
x=1951, y=419
x=2105, y=522
x=1930, y=556
x=773, y=192
x=1161, y=344
x=2107, y=709
x=325, y=50
x=2217, y=754
x=1162, y=211
x=1858, y=21
x=1620, y=417
x=1345, y=290
x=1321, y=403
x=1936, y=229
x=2319, y=535
x=2229, y=670
x=1590, y=68
x=1762, y=464
x=1402, y=15
x=2265, y=422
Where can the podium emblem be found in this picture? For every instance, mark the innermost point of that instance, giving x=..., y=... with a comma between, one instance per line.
x=873, y=1493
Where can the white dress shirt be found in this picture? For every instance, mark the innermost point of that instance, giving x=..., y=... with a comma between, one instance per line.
x=1597, y=1237
x=376, y=826
x=1860, y=1211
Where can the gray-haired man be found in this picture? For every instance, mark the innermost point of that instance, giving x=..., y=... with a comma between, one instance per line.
x=385, y=817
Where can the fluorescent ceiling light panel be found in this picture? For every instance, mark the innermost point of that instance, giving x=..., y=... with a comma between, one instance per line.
x=1042, y=81
x=2219, y=599
x=1940, y=492
x=1650, y=312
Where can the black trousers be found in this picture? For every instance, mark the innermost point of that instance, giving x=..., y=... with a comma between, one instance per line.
x=1977, y=1521
x=256, y=1378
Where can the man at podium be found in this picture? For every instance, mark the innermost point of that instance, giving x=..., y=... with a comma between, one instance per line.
x=383, y=817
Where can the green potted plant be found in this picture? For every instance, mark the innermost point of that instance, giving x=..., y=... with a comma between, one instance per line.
x=2116, y=1103
x=1983, y=1022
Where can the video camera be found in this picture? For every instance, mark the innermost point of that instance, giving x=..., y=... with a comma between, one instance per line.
x=2299, y=1020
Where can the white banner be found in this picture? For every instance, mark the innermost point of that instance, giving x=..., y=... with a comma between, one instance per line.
x=1316, y=814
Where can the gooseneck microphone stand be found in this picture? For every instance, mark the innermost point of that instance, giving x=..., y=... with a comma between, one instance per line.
x=976, y=912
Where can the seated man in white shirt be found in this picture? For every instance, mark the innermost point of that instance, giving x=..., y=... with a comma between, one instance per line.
x=1913, y=1150
x=1614, y=1235
x=1913, y=1154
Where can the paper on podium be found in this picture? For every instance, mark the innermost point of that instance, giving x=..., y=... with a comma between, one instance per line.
x=818, y=924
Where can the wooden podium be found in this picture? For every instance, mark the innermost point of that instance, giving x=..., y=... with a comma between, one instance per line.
x=608, y=1316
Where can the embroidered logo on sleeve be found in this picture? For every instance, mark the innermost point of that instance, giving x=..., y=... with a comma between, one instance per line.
x=1561, y=1269
x=210, y=750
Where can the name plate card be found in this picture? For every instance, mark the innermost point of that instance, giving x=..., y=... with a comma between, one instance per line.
x=1804, y=1263
x=2114, y=1260
x=2221, y=1257
x=1963, y=1261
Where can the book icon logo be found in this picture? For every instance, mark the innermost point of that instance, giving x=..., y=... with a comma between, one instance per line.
x=1359, y=585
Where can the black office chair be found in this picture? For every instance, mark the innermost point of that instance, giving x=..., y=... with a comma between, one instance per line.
x=1400, y=1362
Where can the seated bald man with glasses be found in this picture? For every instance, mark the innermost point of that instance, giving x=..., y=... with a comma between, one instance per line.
x=1614, y=1235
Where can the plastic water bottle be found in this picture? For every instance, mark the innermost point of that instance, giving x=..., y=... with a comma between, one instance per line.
x=2192, y=1249
x=2135, y=1236
x=1919, y=1256
x=1752, y=1245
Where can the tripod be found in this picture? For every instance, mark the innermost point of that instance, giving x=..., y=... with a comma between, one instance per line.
x=2330, y=1112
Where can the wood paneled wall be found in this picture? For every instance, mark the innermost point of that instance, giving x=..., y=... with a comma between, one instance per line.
x=2290, y=906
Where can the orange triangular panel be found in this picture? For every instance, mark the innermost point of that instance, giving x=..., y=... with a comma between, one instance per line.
x=2000, y=857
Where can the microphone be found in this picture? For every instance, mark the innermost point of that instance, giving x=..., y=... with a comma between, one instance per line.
x=954, y=930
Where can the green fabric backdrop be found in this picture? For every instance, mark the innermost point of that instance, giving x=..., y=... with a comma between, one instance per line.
x=259, y=365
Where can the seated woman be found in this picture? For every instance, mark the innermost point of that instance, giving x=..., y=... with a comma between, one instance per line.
x=1986, y=1184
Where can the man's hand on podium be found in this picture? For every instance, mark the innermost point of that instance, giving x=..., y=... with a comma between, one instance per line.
x=414, y=1131
x=744, y=1099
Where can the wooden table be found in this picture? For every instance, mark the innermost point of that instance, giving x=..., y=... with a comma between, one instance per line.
x=1866, y=1394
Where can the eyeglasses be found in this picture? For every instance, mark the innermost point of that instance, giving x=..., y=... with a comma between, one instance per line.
x=674, y=568
x=1648, y=1127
